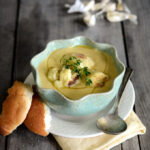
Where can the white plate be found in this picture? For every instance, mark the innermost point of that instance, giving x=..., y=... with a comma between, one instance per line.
x=81, y=127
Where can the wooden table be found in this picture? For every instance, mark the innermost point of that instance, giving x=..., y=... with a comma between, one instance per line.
x=27, y=25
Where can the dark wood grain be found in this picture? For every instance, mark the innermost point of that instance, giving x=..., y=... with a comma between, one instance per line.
x=2, y=142
x=29, y=42
x=138, y=44
x=131, y=144
x=7, y=29
x=33, y=31
x=23, y=139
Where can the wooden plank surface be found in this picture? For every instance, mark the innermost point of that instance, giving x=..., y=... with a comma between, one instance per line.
x=32, y=37
x=131, y=144
x=7, y=29
x=40, y=22
x=138, y=44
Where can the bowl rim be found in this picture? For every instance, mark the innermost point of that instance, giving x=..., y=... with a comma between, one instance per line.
x=84, y=97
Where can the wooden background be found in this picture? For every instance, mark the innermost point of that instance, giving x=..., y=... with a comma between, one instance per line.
x=27, y=25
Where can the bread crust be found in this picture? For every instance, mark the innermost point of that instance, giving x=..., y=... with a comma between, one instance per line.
x=15, y=107
x=35, y=120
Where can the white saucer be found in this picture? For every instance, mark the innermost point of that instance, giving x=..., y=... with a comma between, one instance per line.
x=81, y=127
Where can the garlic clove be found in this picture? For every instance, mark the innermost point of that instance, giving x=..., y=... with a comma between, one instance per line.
x=100, y=5
x=115, y=16
x=111, y=6
x=119, y=5
x=89, y=19
x=89, y=5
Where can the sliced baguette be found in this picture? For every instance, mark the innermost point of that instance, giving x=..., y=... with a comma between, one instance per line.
x=15, y=108
x=39, y=117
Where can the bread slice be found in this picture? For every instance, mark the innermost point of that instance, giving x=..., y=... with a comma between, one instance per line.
x=15, y=108
x=39, y=117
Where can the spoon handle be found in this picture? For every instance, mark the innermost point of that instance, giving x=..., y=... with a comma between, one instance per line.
x=127, y=75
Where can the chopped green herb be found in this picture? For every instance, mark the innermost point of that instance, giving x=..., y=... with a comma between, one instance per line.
x=85, y=71
x=88, y=81
x=67, y=61
x=74, y=64
x=67, y=66
x=70, y=58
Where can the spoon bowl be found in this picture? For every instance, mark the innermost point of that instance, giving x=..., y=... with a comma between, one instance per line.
x=112, y=124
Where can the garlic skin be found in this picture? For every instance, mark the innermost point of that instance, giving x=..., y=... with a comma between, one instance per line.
x=81, y=7
x=115, y=16
x=89, y=19
x=126, y=8
x=78, y=6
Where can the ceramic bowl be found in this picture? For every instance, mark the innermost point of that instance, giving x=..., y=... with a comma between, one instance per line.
x=88, y=104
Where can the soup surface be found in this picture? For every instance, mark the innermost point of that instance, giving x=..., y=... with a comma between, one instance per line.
x=77, y=71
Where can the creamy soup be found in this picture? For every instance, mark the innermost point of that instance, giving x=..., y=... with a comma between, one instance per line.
x=77, y=71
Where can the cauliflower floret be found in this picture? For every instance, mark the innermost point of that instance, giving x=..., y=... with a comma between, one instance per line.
x=98, y=79
x=88, y=62
x=75, y=80
x=85, y=61
x=68, y=79
x=53, y=74
x=65, y=76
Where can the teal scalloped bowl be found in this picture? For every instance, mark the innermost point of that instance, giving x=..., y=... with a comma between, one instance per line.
x=88, y=104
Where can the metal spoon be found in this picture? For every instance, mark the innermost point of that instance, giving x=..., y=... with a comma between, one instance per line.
x=112, y=123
